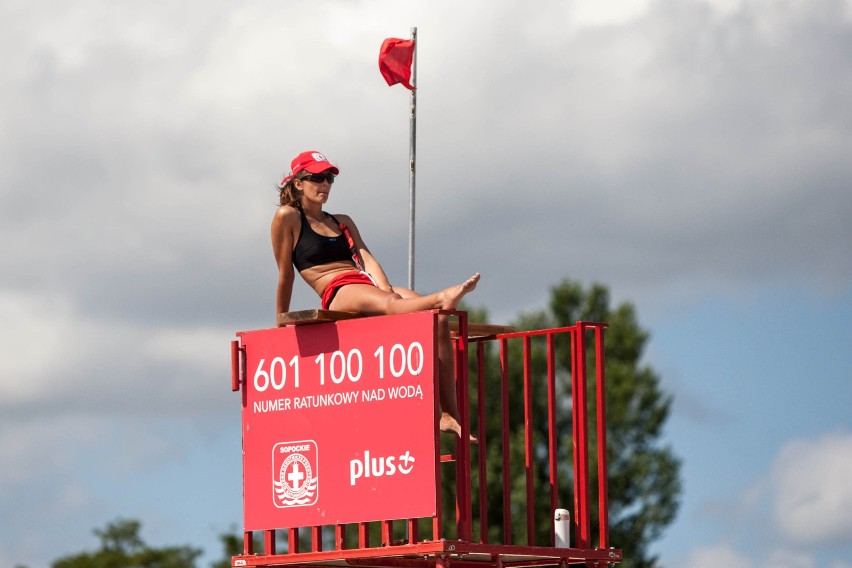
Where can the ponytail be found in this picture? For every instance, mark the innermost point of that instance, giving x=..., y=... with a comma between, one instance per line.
x=288, y=193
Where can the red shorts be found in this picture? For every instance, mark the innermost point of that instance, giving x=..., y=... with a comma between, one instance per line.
x=342, y=280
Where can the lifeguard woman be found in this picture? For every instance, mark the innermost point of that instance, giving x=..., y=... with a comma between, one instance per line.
x=331, y=257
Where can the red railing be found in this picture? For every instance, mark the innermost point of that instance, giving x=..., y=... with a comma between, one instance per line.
x=471, y=353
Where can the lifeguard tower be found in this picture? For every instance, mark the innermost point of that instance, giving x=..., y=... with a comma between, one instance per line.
x=340, y=435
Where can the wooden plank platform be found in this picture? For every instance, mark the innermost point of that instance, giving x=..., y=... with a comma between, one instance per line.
x=478, y=330
x=307, y=317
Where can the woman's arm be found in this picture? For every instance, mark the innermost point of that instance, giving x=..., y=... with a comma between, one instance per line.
x=284, y=226
x=371, y=265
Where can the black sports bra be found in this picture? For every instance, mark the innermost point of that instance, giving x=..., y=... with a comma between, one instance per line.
x=313, y=249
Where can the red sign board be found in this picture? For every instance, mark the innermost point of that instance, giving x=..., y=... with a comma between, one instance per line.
x=339, y=422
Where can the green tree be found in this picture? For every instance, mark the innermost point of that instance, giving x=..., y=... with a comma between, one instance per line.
x=644, y=485
x=122, y=547
x=232, y=545
x=644, y=473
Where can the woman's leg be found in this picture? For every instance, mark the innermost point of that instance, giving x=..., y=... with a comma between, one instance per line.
x=450, y=417
x=368, y=298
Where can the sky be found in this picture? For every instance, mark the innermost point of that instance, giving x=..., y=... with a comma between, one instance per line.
x=692, y=155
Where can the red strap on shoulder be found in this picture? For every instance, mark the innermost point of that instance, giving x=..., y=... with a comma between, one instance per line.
x=351, y=242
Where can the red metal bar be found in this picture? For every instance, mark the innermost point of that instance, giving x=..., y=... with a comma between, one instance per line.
x=551, y=428
x=456, y=457
x=581, y=467
x=363, y=535
x=235, y=365
x=242, y=376
x=507, y=482
x=413, y=531
x=480, y=422
x=437, y=523
x=600, y=389
x=316, y=539
x=537, y=332
x=339, y=536
x=437, y=527
x=528, y=441
x=248, y=542
x=463, y=487
x=387, y=533
x=269, y=542
x=575, y=432
x=424, y=555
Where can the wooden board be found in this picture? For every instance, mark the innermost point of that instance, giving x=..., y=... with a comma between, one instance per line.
x=313, y=316
x=480, y=329
x=305, y=317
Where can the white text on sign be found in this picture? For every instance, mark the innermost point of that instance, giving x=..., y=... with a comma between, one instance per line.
x=339, y=366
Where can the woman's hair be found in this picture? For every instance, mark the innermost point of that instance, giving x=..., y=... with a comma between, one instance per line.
x=289, y=194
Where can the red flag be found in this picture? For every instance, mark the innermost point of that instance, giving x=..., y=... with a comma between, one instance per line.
x=395, y=58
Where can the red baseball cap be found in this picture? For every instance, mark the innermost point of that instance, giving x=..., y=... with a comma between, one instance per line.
x=312, y=161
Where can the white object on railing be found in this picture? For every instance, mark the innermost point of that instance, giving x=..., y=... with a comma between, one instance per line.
x=562, y=528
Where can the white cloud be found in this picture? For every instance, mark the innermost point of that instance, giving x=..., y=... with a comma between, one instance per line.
x=725, y=7
x=789, y=559
x=203, y=348
x=607, y=12
x=786, y=558
x=42, y=445
x=60, y=361
x=813, y=493
x=716, y=556
x=727, y=555
x=798, y=516
x=35, y=338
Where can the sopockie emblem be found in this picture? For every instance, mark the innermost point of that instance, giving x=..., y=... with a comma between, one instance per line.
x=295, y=474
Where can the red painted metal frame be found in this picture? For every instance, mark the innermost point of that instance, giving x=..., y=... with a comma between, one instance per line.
x=463, y=485
x=463, y=552
x=582, y=523
x=600, y=391
x=459, y=554
x=551, y=429
x=504, y=407
x=528, y=440
x=483, y=442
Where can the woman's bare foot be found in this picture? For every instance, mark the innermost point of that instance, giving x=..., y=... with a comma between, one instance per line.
x=452, y=426
x=451, y=297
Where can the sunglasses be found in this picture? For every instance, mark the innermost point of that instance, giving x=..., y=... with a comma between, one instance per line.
x=319, y=178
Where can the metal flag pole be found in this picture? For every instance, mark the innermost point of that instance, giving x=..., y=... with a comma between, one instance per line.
x=412, y=161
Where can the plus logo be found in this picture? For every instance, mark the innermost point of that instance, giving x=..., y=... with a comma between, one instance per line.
x=295, y=477
x=381, y=466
